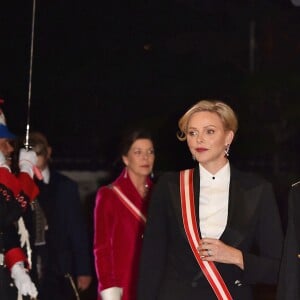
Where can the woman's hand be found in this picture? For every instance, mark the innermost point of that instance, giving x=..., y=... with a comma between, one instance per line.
x=216, y=250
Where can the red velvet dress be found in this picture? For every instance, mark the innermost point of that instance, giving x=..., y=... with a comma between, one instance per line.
x=118, y=237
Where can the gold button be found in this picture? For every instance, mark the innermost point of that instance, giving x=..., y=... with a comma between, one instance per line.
x=298, y=255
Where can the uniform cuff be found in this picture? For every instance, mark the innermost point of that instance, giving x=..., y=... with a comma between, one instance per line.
x=13, y=256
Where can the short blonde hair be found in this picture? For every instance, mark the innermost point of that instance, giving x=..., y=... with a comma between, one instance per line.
x=224, y=111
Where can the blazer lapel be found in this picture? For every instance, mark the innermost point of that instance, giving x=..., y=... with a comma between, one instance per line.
x=242, y=206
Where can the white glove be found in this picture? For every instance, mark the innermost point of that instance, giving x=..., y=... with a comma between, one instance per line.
x=22, y=280
x=3, y=163
x=27, y=161
x=113, y=293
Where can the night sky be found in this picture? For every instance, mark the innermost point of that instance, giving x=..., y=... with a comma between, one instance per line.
x=100, y=66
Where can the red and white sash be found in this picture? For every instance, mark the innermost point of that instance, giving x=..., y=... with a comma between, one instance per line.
x=190, y=225
x=132, y=208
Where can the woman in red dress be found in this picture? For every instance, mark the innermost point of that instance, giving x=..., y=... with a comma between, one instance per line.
x=119, y=218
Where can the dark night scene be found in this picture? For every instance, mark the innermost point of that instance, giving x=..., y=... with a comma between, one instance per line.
x=84, y=72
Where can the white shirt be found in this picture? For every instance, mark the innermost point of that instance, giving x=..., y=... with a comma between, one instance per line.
x=46, y=175
x=213, y=201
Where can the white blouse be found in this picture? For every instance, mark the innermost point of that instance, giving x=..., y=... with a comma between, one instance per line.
x=213, y=202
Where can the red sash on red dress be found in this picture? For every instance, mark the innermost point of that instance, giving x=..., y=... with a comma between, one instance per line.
x=132, y=208
x=190, y=225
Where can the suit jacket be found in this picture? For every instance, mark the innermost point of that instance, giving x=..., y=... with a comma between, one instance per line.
x=168, y=268
x=289, y=280
x=67, y=244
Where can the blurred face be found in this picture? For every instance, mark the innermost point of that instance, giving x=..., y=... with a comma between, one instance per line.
x=140, y=157
x=7, y=149
x=42, y=159
x=207, y=140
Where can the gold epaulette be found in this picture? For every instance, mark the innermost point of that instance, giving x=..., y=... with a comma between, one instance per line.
x=296, y=183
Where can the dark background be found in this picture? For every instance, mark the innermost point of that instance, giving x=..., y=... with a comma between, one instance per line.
x=101, y=66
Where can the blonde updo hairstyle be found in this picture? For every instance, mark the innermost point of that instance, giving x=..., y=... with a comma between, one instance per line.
x=224, y=111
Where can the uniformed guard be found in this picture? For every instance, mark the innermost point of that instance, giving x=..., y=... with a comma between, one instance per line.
x=15, y=195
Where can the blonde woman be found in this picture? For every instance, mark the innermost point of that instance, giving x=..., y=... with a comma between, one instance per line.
x=212, y=231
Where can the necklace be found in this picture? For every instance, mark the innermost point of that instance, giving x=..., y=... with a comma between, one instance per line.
x=143, y=191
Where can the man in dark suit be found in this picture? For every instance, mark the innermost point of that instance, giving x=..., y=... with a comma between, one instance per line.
x=289, y=279
x=61, y=252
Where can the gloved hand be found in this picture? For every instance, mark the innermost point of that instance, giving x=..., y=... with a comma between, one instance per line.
x=22, y=280
x=27, y=161
x=3, y=163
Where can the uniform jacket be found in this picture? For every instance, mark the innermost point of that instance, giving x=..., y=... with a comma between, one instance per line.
x=118, y=237
x=168, y=268
x=67, y=241
x=15, y=194
x=289, y=280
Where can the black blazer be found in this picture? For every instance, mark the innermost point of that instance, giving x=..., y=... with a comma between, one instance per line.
x=168, y=268
x=67, y=242
x=289, y=280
